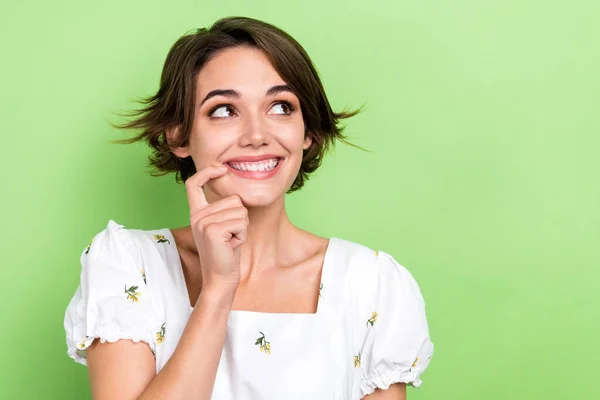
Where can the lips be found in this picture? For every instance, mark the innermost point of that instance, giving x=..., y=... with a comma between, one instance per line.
x=263, y=157
x=254, y=174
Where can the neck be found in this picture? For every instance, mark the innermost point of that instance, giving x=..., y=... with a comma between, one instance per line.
x=270, y=233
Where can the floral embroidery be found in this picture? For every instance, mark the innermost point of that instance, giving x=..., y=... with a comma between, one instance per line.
x=414, y=364
x=264, y=345
x=373, y=318
x=376, y=253
x=87, y=249
x=320, y=288
x=132, y=294
x=357, y=361
x=82, y=344
x=160, y=335
x=161, y=239
x=144, y=275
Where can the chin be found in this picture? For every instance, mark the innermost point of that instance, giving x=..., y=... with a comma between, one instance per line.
x=259, y=198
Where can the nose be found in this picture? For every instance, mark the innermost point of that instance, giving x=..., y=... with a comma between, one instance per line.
x=255, y=131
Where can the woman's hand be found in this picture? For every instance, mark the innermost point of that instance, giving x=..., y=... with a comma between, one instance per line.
x=219, y=229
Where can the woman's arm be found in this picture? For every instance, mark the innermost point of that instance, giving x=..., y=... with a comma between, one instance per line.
x=396, y=391
x=126, y=370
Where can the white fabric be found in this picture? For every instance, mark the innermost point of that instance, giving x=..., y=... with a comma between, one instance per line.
x=344, y=351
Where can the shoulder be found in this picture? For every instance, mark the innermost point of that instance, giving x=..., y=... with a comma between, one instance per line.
x=129, y=250
x=117, y=238
x=352, y=257
x=367, y=264
x=113, y=235
x=372, y=277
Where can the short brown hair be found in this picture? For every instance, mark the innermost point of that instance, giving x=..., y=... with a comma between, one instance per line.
x=173, y=104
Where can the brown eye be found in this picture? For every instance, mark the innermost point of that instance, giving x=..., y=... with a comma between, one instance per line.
x=283, y=108
x=222, y=112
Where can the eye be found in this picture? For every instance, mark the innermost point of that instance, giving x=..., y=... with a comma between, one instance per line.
x=282, y=107
x=223, y=111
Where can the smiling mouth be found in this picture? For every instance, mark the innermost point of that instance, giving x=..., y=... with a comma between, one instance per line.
x=256, y=166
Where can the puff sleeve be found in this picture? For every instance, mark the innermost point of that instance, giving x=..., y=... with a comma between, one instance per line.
x=111, y=301
x=397, y=346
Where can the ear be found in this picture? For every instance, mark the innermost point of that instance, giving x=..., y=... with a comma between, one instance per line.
x=172, y=135
x=307, y=141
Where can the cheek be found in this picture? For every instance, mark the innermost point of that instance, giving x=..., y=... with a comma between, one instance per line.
x=295, y=146
x=293, y=138
x=207, y=147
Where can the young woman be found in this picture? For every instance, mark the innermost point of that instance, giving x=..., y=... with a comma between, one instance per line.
x=242, y=304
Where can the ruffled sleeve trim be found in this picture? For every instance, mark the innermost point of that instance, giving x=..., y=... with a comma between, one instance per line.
x=77, y=346
x=383, y=382
x=410, y=376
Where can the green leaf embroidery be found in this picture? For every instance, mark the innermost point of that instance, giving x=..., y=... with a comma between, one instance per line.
x=373, y=318
x=264, y=345
x=160, y=335
x=132, y=294
x=161, y=239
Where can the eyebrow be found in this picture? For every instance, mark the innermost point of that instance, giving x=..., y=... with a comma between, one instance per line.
x=236, y=95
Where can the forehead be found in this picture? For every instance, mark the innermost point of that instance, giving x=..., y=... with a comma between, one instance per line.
x=244, y=69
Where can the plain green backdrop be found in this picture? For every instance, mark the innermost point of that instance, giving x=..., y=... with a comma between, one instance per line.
x=483, y=181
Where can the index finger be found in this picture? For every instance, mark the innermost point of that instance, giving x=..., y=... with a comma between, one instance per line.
x=193, y=186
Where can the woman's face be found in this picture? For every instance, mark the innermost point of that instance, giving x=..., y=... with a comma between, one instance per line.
x=245, y=109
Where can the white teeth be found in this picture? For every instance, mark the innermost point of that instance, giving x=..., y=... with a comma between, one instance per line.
x=256, y=166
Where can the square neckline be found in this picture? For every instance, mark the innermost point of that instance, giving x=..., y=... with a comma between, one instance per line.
x=323, y=277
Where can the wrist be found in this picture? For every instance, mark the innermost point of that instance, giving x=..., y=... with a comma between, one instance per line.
x=217, y=294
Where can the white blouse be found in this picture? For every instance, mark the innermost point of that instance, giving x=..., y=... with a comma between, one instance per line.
x=370, y=329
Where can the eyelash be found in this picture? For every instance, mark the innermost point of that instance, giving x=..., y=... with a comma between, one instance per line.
x=289, y=105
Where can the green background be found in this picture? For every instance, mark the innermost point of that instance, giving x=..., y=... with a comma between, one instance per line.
x=483, y=180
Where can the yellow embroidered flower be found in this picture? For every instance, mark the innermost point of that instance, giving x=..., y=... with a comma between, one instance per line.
x=264, y=345
x=376, y=253
x=160, y=335
x=357, y=361
x=161, y=239
x=266, y=348
x=414, y=364
x=82, y=344
x=132, y=294
x=373, y=318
